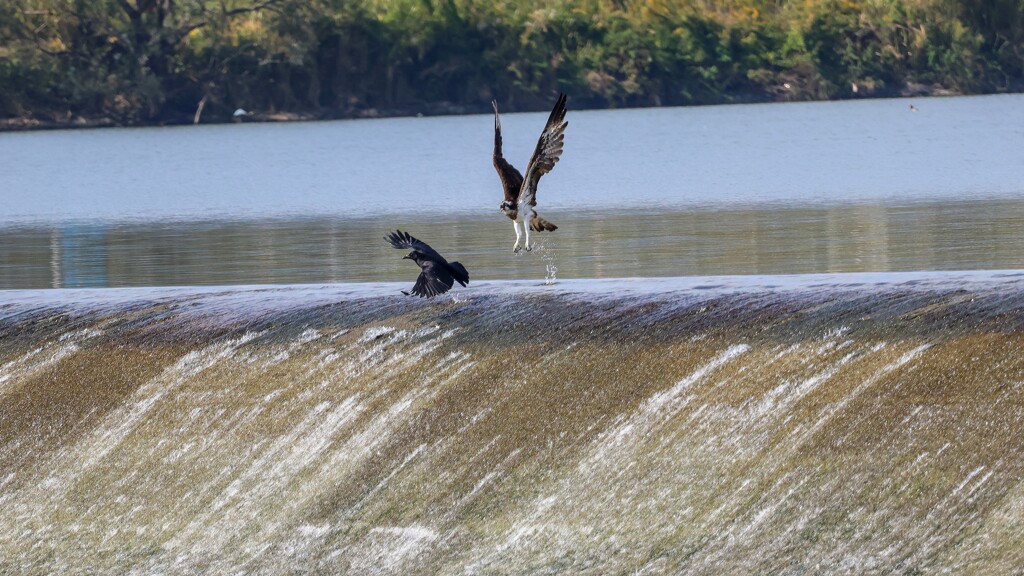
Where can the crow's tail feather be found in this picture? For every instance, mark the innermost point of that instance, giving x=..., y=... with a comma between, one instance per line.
x=460, y=273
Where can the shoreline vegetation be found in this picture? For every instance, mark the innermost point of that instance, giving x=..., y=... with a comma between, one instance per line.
x=71, y=63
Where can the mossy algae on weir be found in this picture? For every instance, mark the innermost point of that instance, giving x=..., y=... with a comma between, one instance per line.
x=843, y=424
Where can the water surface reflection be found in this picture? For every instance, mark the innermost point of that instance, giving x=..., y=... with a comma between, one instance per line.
x=754, y=240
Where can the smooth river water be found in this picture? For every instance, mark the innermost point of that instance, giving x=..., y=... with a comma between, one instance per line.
x=756, y=189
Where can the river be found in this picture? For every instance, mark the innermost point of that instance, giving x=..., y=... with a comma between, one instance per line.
x=861, y=186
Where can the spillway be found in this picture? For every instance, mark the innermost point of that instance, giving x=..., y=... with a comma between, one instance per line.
x=848, y=424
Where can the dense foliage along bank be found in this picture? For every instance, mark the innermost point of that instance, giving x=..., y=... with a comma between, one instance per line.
x=159, y=61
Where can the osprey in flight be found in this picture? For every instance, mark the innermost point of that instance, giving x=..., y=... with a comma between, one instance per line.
x=520, y=192
x=437, y=275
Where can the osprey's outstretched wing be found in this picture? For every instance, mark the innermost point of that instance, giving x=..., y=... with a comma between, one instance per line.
x=547, y=153
x=399, y=239
x=511, y=179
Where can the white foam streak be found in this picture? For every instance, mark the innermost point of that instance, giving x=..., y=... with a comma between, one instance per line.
x=121, y=422
x=42, y=357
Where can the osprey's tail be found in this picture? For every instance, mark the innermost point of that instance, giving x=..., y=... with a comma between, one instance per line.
x=538, y=224
x=459, y=272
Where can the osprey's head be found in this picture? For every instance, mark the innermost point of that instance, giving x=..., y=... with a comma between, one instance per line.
x=508, y=208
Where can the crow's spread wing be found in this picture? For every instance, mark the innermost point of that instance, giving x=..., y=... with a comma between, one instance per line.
x=511, y=179
x=433, y=280
x=547, y=153
x=399, y=239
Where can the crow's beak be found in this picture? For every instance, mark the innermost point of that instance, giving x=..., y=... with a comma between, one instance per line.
x=406, y=258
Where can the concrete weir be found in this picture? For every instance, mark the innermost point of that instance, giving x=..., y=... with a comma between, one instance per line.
x=842, y=424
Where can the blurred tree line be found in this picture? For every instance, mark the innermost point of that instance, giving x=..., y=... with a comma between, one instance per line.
x=159, y=61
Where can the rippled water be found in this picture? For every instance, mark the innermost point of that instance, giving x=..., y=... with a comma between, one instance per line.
x=838, y=424
x=760, y=189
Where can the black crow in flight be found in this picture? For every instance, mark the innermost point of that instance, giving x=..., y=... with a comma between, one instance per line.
x=437, y=275
x=521, y=193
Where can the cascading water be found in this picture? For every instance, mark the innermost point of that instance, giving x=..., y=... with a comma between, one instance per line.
x=842, y=424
